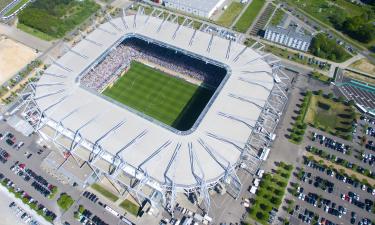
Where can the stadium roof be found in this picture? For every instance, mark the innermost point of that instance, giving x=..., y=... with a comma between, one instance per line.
x=205, y=153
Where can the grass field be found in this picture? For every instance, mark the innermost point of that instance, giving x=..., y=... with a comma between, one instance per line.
x=277, y=17
x=249, y=15
x=230, y=14
x=35, y=32
x=105, y=192
x=329, y=115
x=171, y=100
x=130, y=207
x=56, y=17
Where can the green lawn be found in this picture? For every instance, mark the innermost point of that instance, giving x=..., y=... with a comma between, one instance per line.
x=65, y=201
x=329, y=115
x=277, y=17
x=169, y=99
x=56, y=17
x=323, y=9
x=16, y=7
x=105, y=192
x=249, y=15
x=130, y=207
x=230, y=14
x=35, y=32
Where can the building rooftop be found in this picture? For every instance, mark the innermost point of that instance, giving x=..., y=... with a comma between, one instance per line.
x=214, y=146
x=290, y=32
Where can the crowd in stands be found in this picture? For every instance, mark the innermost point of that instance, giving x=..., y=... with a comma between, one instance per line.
x=121, y=57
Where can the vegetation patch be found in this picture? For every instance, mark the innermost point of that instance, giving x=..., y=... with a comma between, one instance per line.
x=351, y=18
x=299, y=126
x=331, y=115
x=323, y=47
x=277, y=17
x=65, y=201
x=297, y=57
x=249, y=15
x=105, y=192
x=56, y=17
x=321, y=77
x=230, y=14
x=342, y=162
x=130, y=207
x=270, y=193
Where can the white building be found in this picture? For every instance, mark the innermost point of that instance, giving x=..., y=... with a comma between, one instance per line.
x=196, y=7
x=288, y=37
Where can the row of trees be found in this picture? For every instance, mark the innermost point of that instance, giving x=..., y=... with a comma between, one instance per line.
x=299, y=127
x=357, y=27
x=323, y=47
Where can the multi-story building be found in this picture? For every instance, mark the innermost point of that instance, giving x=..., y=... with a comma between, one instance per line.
x=288, y=37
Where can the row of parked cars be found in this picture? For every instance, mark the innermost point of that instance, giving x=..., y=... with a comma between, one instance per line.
x=90, y=196
x=331, y=143
x=370, y=145
x=338, y=176
x=4, y=155
x=25, y=217
x=87, y=218
x=370, y=131
x=18, y=191
x=354, y=198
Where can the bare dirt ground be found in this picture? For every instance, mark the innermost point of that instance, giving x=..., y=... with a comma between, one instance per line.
x=13, y=57
x=364, y=65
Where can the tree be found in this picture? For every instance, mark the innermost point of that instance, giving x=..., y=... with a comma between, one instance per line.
x=326, y=48
x=330, y=95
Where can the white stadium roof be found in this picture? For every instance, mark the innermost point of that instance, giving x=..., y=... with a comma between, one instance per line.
x=204, y=153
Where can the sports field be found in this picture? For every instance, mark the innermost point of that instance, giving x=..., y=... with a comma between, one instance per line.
x=171, y=100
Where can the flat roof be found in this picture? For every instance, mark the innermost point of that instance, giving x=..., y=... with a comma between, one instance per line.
x=205, y=153
x=206, y=5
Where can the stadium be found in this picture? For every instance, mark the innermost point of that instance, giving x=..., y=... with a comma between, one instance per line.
x=159, y=108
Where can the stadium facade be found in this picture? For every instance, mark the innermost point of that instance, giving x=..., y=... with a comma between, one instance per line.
x=140, y=154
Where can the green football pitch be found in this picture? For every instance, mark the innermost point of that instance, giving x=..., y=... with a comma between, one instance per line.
x=171, y=100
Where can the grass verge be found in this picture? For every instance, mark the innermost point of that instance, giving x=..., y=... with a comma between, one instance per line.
x=230, y=14
x=16, y=7
x=104, y=192
x=35, y=32
x=249, y=16
x=130, y=207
